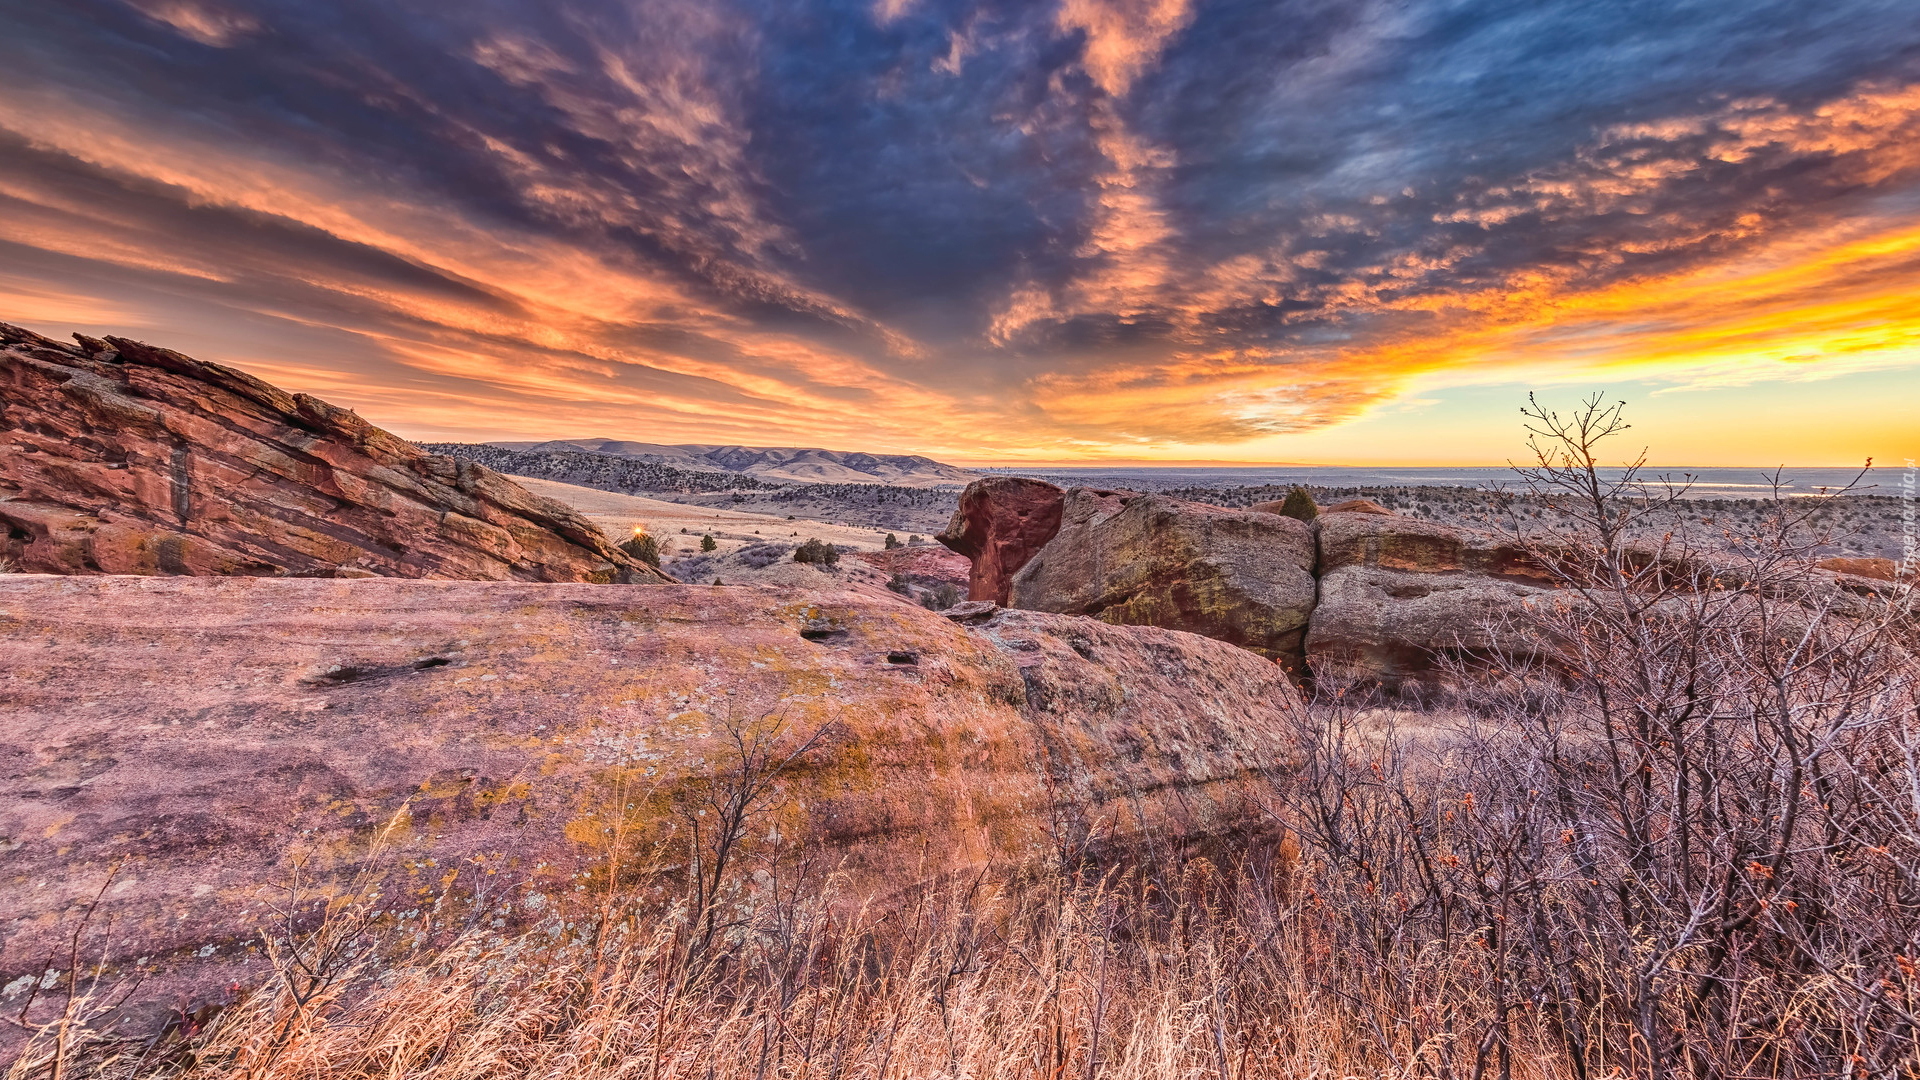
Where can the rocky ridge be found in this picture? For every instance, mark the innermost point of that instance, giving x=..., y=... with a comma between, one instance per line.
x=805, y=465
x=118, y=457
x=1360, y=594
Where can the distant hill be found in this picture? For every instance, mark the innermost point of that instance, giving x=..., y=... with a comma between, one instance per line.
x=804, y=465
x=607, y=472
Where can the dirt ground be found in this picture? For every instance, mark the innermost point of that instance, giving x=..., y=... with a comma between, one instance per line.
x=618, y=515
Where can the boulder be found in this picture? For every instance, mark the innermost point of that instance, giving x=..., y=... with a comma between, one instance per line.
x=189, y=749
x=1878, y=569
x=1398, y=595
x=121, y=458
x=1238, y=576
x=1000, y=522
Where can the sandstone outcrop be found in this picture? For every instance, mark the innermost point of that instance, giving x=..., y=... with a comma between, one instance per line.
x=1238, y=576
x=121, y=458
x=1398, y=595
x=187, y=743
x=1360, y=594
x=1000, y=523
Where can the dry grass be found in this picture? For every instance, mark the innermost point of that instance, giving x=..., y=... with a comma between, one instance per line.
x=1213, y=973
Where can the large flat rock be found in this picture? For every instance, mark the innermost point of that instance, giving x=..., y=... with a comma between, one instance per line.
x=194, y=740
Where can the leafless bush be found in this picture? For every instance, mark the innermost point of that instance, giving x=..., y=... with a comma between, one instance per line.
x=1697, y=854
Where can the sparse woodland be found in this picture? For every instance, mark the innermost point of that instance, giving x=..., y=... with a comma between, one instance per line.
x=1668, y=827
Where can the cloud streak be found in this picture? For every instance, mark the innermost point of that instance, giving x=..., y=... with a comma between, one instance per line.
x=1095, y=226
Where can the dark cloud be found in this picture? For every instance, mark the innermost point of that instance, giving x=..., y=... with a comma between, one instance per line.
x=1024, y=215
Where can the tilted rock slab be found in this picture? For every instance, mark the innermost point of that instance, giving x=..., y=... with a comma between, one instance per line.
x=1398, y=596
x=188, y=743
x=121, y=458
x=1237, y=576
x=1001, y=523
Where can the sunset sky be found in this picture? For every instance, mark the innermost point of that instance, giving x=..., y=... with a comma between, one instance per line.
x=1336, y=231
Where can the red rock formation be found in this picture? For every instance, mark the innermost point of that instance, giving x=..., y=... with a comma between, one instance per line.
x=203, y=735
x=1149, y=560
x=1879, y=569
x=1000, y=522
x=1357, y=506
x=121, y=458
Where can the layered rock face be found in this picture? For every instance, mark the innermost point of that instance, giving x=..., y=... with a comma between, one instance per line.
x=1238, y=576
x=1000, y=523
x=1398, y=595
x=189, y=744
x=1358, y=594
x=121, y=458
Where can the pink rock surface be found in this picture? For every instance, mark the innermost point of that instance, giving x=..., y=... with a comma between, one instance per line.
x=1000, y=523
x=206, y=735
x=122, y=458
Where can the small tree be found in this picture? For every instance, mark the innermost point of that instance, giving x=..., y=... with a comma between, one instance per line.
x=817, y=552
x=1299, y=504
x=898, y=583
x=643, y=547
x=892, y=542
x=707, y=542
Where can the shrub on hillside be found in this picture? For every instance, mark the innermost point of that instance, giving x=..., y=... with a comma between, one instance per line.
x=1299, y=504
x=707, y=542
x=817, y=553
x=761, y=555
x=643, y=547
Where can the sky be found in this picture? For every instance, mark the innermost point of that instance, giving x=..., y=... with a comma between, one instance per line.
x=1334, y=231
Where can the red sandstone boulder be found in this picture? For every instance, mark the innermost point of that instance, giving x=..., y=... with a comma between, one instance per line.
x=121, y=458
x=198, y=739
x=1398, y=595
x=1879, y=569
x=1149, y=560
x=1000, y=522
x=1357, y=506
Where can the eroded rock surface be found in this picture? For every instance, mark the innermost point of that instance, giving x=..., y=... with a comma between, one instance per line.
x=121, y=458
x=1237, y=576
x=1398, y=595
x=205, y=736
x=999, y=525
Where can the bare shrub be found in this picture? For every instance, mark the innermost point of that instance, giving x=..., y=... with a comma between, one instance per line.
x=1678, y=836
x=759, y=556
